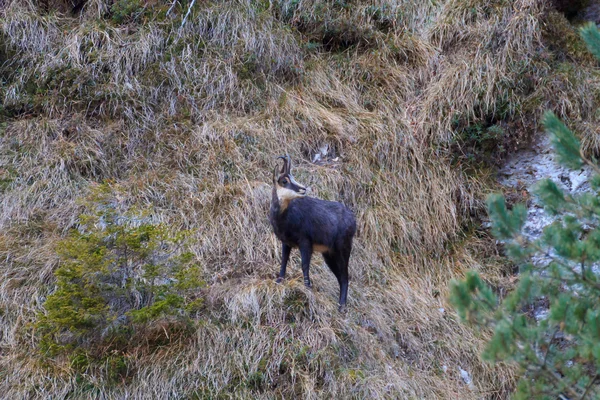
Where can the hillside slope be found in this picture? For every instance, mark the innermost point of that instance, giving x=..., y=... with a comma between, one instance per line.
x=412, y=102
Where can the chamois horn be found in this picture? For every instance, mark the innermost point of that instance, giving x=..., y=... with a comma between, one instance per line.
x=287, y=164
x=284, y=167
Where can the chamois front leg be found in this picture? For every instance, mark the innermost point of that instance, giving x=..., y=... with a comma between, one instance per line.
x=285, y=256
x=306, y=254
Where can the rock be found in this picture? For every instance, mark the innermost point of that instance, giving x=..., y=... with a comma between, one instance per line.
x=526, y=167
x=466, y=378
x=322, y=154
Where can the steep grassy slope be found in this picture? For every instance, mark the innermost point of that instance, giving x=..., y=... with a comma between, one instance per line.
x=411, y=98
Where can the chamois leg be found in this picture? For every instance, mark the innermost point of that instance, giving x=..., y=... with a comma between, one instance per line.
x=306, y=254
x=343, y=290
x=332, y=264
x=285, y=256
x=343, y=279
x=337, y=265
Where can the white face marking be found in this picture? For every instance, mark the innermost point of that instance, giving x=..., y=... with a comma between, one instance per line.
x=284, y=194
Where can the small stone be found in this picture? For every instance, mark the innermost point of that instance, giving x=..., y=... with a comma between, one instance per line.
x=466, y=378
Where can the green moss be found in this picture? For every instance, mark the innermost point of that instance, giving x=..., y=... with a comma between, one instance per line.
x=355, y=375
x=117, y=368
x=7, y=174
x=384, y=16
x=296, y=304
x=256, y=381
x=126, y=10
x=261, y=5
x=249, y=68
x=563, y=40
x=79, y=361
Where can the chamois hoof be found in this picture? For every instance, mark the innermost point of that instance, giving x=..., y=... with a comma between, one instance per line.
x=308, y=284
x=343, y=309
x=279, y=280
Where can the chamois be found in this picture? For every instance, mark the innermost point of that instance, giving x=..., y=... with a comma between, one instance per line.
x=311, y=224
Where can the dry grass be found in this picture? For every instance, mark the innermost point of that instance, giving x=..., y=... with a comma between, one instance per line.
x=190, y=120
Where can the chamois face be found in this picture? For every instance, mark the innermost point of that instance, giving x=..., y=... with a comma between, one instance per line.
x=288, y=188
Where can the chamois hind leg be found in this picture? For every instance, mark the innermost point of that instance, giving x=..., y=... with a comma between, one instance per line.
x=285, y=256
x=343, y=279
x=336, y=263
x=306, y=254
x=332, y=263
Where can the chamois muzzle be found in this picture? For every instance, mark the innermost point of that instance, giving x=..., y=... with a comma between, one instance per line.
x=295, y=186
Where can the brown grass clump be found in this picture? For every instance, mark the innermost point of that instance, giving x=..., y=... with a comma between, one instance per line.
x=190, y=118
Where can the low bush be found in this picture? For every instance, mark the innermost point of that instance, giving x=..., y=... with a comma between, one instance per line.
x=123, y=280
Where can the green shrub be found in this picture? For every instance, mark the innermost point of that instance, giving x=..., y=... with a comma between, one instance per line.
x=477, y=142
x=122, y=280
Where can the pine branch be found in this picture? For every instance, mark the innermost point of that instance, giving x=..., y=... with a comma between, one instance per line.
x=589, y=386
x=591, y=36
x=549, y=345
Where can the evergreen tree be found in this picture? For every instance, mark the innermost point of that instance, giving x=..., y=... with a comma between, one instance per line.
x=558, y=355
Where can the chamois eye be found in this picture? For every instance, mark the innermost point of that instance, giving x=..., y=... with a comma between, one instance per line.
x=284, y=181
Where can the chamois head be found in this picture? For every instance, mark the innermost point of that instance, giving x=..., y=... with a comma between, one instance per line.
x=286, y=186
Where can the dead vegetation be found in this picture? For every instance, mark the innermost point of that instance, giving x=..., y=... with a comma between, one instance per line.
x=190, y=119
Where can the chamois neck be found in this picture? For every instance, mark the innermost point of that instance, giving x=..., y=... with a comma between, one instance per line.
x=278, y=203
x=275, y=206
